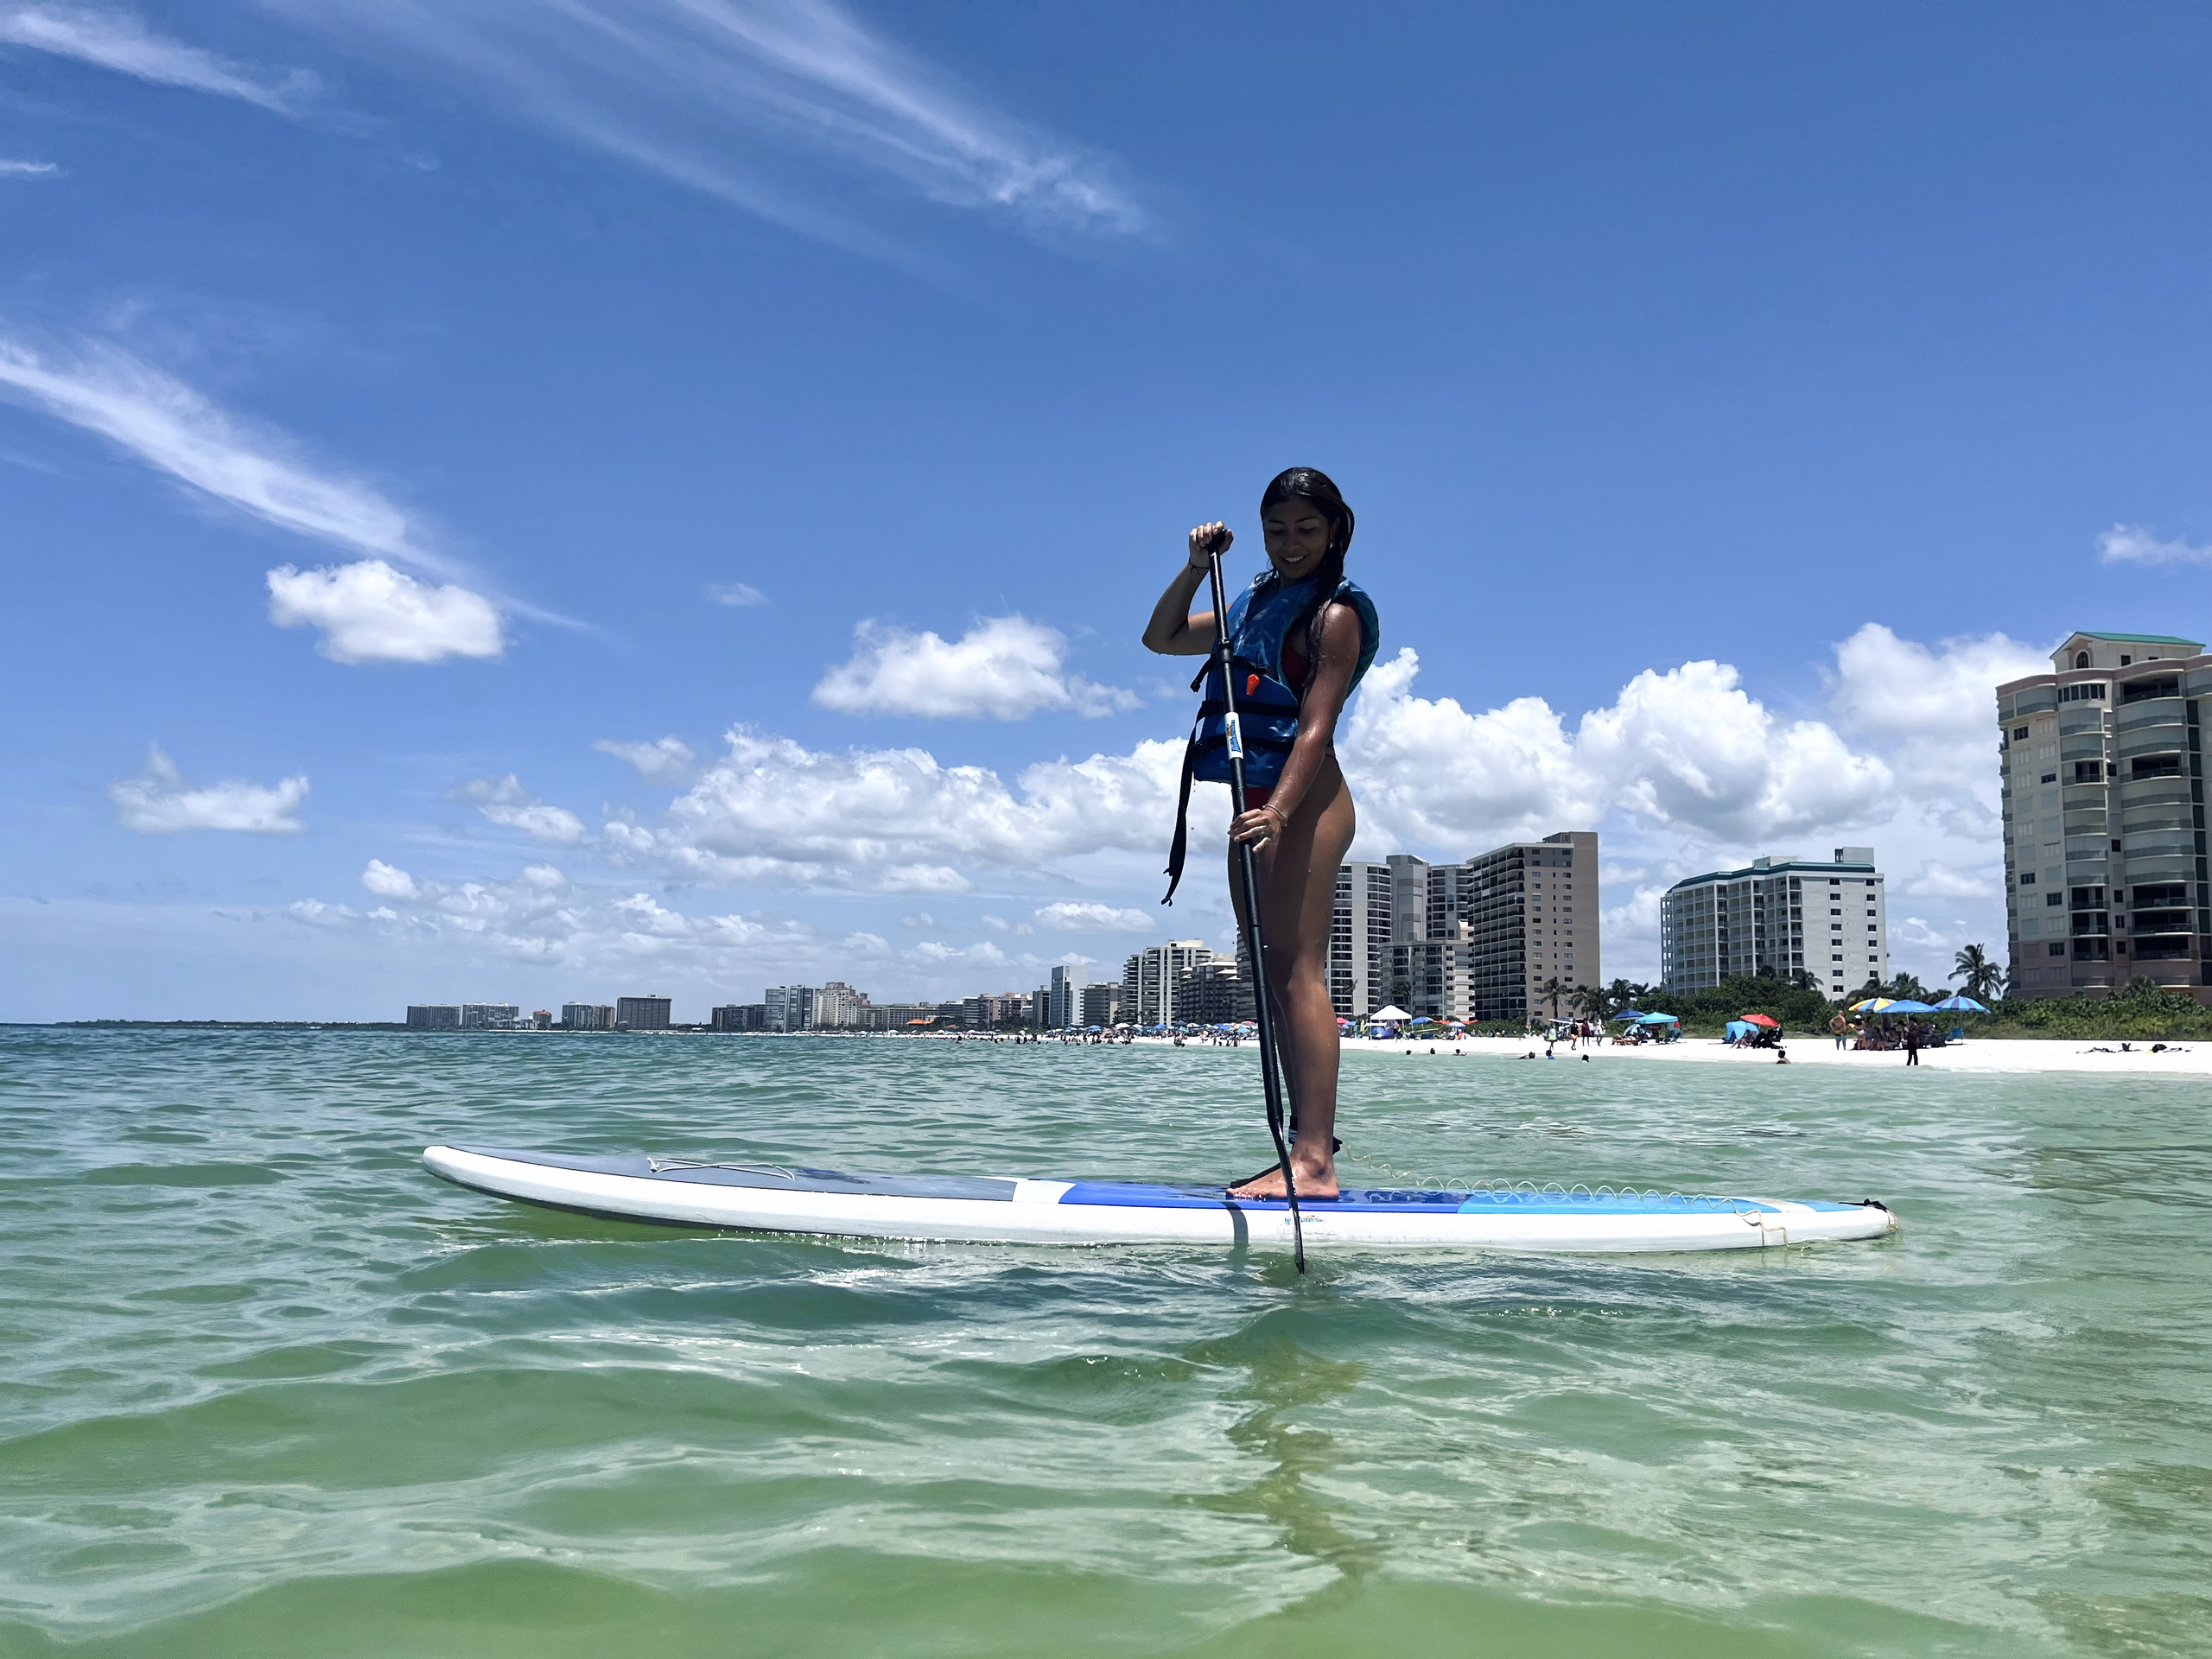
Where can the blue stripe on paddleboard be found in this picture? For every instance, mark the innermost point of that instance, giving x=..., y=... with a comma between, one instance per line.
x=1416, y=1201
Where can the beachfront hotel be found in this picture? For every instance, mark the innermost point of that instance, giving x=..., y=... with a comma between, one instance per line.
x=1476, y=940
x=1778, y=915
x=2103, y=783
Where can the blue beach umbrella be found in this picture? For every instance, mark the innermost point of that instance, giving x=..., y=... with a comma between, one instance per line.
x=1629, y=1014
x=1906, y=1004
x=1960, y=1005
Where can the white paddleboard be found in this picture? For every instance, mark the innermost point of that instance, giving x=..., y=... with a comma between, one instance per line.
x=771, y=1198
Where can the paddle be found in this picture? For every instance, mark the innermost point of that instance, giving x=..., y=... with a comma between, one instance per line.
x=1254, y=940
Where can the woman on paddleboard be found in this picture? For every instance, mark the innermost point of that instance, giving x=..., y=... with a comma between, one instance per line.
x=1301, y=636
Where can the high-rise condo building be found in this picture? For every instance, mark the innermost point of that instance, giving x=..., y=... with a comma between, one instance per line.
x=1359, y=940
x=838, y=1007
x=2103, y=780
x=1477, y=940
x=433, y=1016
x=1778, y=915
x=641, y=1013
x=1065, y=992
x=588, y=1016
x=791, y=1007
x=1153, y=980
x=1101, y=1003
x=490, y=1016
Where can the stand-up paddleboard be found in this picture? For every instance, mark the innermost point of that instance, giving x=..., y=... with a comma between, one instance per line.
x=770, y=1197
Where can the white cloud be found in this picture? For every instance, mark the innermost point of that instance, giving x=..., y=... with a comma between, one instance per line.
x=28, y=169
x=1080, y=916
x=715, y=95
x=159, y=801
x=772, y=811
x=388, y=882
x=115, y=39
x=370, y=612
x=739, y=594
x=2137, y=544
x=169, y=426
x=1686, y=750
x=1937, y=881
x=664, y=760
x=920, y=919
x=1004, y=668
x=507, y=804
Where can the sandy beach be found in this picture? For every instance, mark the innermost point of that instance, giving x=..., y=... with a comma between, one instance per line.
x=1996, y=1054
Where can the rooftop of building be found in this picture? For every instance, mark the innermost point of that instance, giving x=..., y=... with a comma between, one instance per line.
x=1781, y=863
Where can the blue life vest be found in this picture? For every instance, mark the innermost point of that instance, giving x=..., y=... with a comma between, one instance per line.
x=1260, y=621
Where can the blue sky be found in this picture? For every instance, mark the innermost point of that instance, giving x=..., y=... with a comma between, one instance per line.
x=397, y=398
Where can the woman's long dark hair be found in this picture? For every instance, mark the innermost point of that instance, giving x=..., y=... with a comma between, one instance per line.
x=1311, y=483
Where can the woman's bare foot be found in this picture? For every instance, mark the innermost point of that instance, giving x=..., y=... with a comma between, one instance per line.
x=1317, y=1178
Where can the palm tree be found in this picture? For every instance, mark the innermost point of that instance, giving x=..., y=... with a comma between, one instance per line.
x=1907, y=986
x=1551, y=990
x=1978, y=976
x=1590, y=1002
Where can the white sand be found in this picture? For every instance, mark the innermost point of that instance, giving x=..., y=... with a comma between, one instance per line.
x=1998, y=1054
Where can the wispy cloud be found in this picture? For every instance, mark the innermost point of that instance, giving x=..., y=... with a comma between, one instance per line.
x=159, y=801
x=117, y=39
x=507, y=804
x=166, y=423
x=2137, y=544
x=664, y=760
x=370, y=611
x=28, y=169
x=739, y=594
x=723, y=95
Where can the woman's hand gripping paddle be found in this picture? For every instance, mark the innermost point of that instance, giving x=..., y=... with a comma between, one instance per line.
x=1256, y=947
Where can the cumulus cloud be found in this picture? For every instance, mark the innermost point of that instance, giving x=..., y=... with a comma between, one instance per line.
x=664, y=760
x=739, y=594
x=2138, y=545
x=507, y=804
x=773, y=811
x=1004, y=668
x=28, y=169
x=370, y=612
x=388, y=882
x=744, y=100
x=1082, y=916
x=1687, y=749
x=114, y=39
x=159, y=801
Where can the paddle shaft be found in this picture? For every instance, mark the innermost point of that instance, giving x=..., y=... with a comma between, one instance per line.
x=1256, y=945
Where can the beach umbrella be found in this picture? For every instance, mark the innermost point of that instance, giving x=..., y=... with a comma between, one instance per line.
x=1960, y=1005
x=1766, y=1020
x=1874, y=1005
x=1629, y=1014
x=1906, y=1004
x=1392, y=1015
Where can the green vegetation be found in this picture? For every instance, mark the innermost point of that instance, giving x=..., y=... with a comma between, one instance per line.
x=2142, y=1008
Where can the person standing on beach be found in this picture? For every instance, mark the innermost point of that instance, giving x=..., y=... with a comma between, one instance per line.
x=1840, y=1028
x=1912, y=1042
x=1300, y=637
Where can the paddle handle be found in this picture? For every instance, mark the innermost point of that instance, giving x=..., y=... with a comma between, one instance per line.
x=1248, y=870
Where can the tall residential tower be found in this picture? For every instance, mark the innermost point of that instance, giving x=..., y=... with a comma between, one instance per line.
x=1778, y=915
x=2103, y=780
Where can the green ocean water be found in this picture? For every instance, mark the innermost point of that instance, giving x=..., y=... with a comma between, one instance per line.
x=268, y=1389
